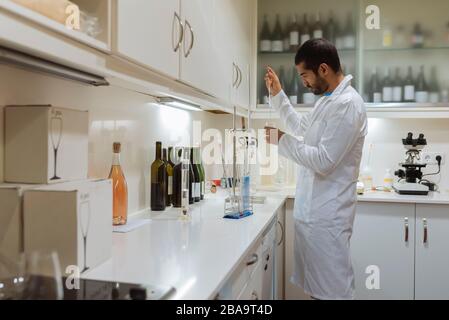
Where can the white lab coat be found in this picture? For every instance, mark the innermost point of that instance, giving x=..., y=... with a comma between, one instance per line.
x=329, y=158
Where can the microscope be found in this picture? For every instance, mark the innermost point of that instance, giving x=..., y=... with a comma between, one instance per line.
x=410, y=177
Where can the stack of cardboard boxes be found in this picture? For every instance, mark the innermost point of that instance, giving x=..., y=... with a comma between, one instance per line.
x=47, y=203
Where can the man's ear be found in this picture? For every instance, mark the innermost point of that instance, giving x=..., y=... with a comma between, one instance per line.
x=323, y=69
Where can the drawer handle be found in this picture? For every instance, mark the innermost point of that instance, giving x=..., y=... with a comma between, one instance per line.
x=282, y=233
x=253, y=260
x=192, y=39
x=181, y=32
x=406, y=229
x=424, y=221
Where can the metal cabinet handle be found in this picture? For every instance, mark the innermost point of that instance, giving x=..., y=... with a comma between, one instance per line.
x=176, y=18
x=254, y=296
x=282, y=234
x=240, y=76
x=192, y=36
x=424, y=221
x=254, y=259
x=406, y=229
x=235, y=75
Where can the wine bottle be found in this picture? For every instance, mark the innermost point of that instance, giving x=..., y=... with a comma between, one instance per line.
x=421, y=90
x=330, y=29
x=277, y=44
x=417, y=36
x=286, y=37
x=387, y=87
x=305, y=30
x=409, y=86
x=349, y=34
x=203, y=174
x=158, y=180
x=294, y=87
x=375, y=88
x=294, y=34
x=169, y=185
x=196, y=177
x=318, y=28
x=119, y=188
x=192, y=185
x=265, y=36
x=434, y=88
x=177, y=182
x=397, y=86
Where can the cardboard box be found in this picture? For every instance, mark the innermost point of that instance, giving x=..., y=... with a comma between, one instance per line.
x=45, y=144
x=69, y=217
x=11, y=219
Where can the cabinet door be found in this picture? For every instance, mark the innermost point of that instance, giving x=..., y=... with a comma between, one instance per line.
x=148, y=32
x=383, y=243
x=198, y=59
x=432, y=251
x=279, y=253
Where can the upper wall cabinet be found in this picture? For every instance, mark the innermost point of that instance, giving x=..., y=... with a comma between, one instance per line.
x=62, y=16
x=150, y=32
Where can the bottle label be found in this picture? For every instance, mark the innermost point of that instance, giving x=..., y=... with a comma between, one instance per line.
x=397, y=94
x=293, y=99
x=308, y=98
x=409, y=93
x=170, y=185
x=203, y=187
x=387, y=94
x=193, y=189
x=317, y=34
x=422, y=96
x=197, y=190
x=304, y=38
x=265, y=45
x=277, y=46
x=377, y=97
x=294, y=38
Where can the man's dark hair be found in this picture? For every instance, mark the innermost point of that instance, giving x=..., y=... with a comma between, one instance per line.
x=317, y=51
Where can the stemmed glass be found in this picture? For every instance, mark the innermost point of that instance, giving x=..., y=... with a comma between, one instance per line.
x=56, y=136
x=85, y=221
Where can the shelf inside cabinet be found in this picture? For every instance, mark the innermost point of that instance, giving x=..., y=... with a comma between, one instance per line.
x=92, y=13
x=419, y=49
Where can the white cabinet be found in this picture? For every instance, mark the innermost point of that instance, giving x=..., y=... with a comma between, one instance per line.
x=150, y=32
x=280, y=255
x=432, y=251
x=383, y=241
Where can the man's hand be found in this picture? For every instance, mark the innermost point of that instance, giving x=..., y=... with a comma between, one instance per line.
x=272, y=82
x=273, y=135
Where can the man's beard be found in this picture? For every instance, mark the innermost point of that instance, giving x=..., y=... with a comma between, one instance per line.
x=320, y=87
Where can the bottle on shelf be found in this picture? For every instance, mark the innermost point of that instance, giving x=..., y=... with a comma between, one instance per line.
x=177, y=182
x=387, y=87
x=434, y=88
x=294, y=34
x=188, y=155
x=318, y=27
x=409, y=86
x=294, y=87
x=286, y=37
x=397, y=86
x=400, y=37
x=158, y=181
x=277, y=43
x=265, y=36
x=339, y=37
x=196, y=191
x=169, y=185
x=417, y=36
x=349, y=33
x=201, y=172
x=388, y=180
x=308, y=97
x=305, y=30
x=375, y=88
x=119, y=188
x=387, y=35
x=331, y=28
x=421, y=91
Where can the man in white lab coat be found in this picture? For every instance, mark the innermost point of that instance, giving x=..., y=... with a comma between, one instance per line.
x=327, y=145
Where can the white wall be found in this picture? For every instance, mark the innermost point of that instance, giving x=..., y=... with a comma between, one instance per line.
x=115, y=115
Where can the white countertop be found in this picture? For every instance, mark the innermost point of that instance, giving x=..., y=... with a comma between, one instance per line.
x=375, y=196
x=196, y=257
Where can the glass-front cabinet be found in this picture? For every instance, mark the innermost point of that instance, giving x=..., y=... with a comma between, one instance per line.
x=396, y=50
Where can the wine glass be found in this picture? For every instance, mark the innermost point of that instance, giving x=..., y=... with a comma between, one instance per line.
x=56, y=136
x=12, y=275
x=85, y=221
x=43, y=280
